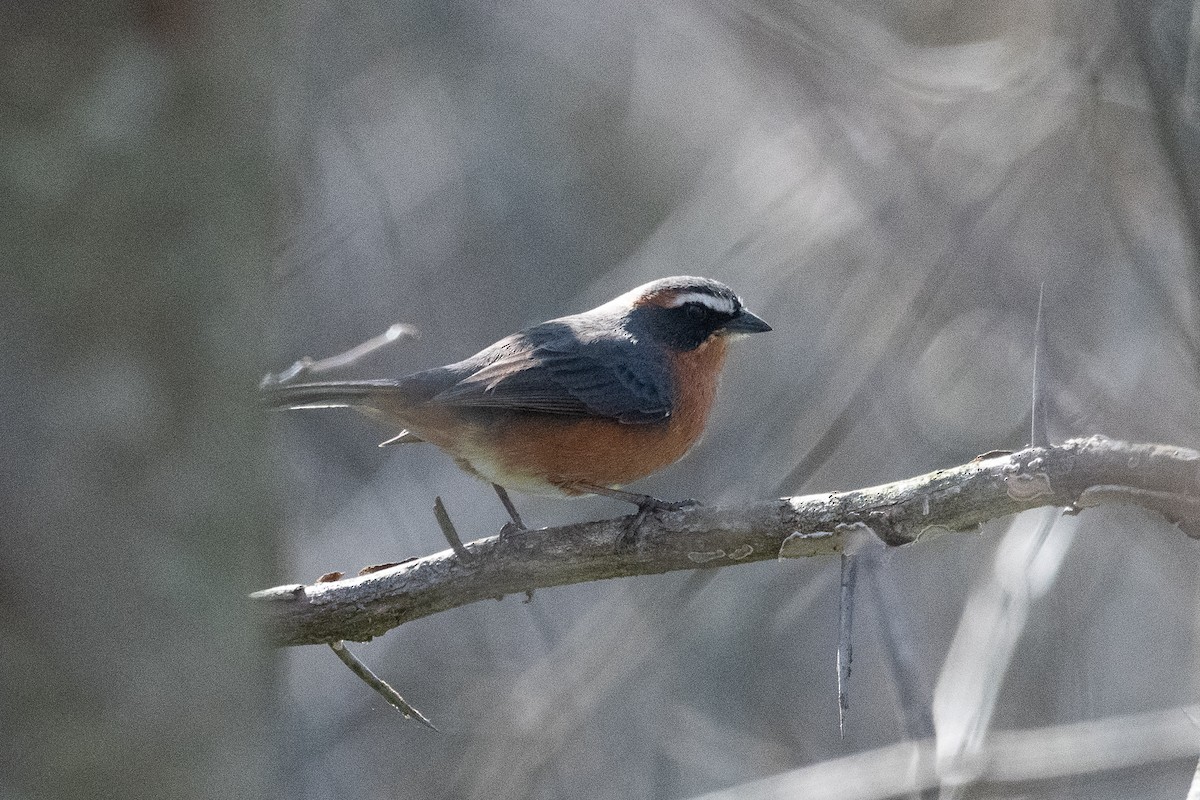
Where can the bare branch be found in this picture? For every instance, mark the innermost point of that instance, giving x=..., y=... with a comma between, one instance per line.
x=308, y=366
x=845, y=651
x=448, y=530
x=956, y=499
x=379, y=684
x=1038, y=437
x=1008, y=757
x=1027, y=562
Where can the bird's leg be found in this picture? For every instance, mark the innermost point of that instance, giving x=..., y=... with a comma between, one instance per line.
x=516, y=524
x=646, y=505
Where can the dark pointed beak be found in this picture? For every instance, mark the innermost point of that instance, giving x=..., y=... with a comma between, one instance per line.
x=745, y=322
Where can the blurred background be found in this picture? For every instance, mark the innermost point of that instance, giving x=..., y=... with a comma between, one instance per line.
x=198, y=194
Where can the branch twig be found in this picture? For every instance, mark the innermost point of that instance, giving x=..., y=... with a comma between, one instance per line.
x=845, y=651
x=1038, y=437
x=956, y=499
x=379, y=684
x=1009, y=757
x=448, y=530
x=309, y=366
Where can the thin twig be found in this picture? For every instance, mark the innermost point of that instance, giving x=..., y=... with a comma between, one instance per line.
x=1038, y=436
x=307, y=366
x=448, y=530
x=509, y=506
x=845, y=652
x=379, y=684
x=896, y=653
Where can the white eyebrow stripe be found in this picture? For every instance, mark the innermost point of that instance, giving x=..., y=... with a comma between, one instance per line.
x=721, y=304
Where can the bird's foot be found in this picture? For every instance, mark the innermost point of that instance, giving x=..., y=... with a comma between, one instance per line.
x=652, y=505
x=647, y=506
x=510, y=529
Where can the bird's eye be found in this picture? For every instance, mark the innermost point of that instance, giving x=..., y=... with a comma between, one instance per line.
x=697, y=311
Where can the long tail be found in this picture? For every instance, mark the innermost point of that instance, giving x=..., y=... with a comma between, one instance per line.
x=326, y=394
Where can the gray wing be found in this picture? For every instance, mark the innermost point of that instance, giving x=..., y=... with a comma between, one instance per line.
x=555, y=368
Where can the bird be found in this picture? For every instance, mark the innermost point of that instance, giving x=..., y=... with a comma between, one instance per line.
x=578, y=405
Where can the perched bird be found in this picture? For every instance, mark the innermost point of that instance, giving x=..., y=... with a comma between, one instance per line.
x=577, y=405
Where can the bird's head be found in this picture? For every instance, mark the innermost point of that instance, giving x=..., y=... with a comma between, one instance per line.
x=683, y=312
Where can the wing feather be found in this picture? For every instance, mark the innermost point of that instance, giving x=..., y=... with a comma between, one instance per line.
x=554, y=369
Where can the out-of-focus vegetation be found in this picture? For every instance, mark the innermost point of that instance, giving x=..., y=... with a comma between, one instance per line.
x=887, y=184
x=135, y=513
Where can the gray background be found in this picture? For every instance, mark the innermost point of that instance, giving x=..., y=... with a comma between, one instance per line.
x=199, y=194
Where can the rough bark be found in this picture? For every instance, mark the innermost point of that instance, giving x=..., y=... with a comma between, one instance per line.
x=1076, y=474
